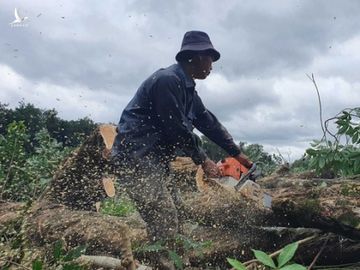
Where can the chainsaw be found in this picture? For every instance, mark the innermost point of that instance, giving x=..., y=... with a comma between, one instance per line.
x=242, y=179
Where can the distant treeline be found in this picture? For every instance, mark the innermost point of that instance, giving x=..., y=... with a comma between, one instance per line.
x=72, y=133
x=69, y=133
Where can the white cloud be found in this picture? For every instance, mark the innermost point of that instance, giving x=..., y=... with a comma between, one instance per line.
x=71, y=103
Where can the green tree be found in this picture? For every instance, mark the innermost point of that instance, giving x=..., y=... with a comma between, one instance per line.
x=6, y=117
x=13, y=177
x=23, y=175
x=301, y=164
x=267, y=162
x=42, y=165
x=74, y=132
x=213, y=151
x=33, y=119
x=53, y=123
x=70, y=133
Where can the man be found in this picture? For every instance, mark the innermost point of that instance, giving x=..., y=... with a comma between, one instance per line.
x=157, y=123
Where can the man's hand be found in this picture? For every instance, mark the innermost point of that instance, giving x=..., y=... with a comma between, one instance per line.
x=211, y=169
x=244, y=160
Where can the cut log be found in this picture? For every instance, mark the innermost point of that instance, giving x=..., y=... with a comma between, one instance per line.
x=298, y=201
x=49, y=222
x=232, y=223
x=78, y=182
x=105, y=262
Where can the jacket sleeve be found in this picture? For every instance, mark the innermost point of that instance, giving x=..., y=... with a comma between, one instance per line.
x=177, y=130
x=209, y=125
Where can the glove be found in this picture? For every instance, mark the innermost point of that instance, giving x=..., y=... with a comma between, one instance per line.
x=211, y=169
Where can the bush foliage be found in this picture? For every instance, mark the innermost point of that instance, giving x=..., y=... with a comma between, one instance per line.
x=338, y=152
x=22, y=175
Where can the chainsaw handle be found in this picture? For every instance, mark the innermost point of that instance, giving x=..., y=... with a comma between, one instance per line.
x=252, y=168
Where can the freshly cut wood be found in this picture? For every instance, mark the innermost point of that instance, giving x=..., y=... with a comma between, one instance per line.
x=109, y=187
x=97, y=206
x=100, y=261
x=108, y=133
x=105, y=262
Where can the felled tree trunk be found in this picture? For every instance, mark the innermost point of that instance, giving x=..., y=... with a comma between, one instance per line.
x=102, y=235
x=329, y=204
x=78, y=183
x=232, y=223
x=67, y=209
x=328, y=209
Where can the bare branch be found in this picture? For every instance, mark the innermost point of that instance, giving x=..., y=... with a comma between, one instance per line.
x=312, y=78
x=318, y=254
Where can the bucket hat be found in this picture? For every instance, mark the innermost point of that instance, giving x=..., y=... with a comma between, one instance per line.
x=194, y=42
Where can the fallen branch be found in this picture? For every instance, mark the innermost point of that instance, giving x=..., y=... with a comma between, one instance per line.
x=101, y=261
x=312, y=78
x=18, y=265
x=337, y=266
x=318, y=254
x=106, y=262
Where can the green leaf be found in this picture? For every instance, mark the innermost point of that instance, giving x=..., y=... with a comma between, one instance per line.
x=343, y=129
x=337, y=156
x=321, y=162
x=264, y=258
x=57, y=250
x=37, y=265
x=176, y=259
x=354, y=155
x=340, y=121
x=357, y=166
x=294, y=266
x=236, y=264
x=312, y=163
x=350, y=131
x=75, y=253
x=315, y=143
x=355, y=138
x=311, y=152
x=287, y=253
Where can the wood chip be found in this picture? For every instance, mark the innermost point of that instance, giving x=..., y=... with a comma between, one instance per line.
x=109, y=187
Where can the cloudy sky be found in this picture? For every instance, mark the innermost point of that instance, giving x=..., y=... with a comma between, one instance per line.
x=87, y=58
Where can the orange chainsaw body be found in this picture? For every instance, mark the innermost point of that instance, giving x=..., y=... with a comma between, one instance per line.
x=231, y=167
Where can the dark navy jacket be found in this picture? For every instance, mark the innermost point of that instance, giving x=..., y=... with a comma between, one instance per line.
x=160, y=119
